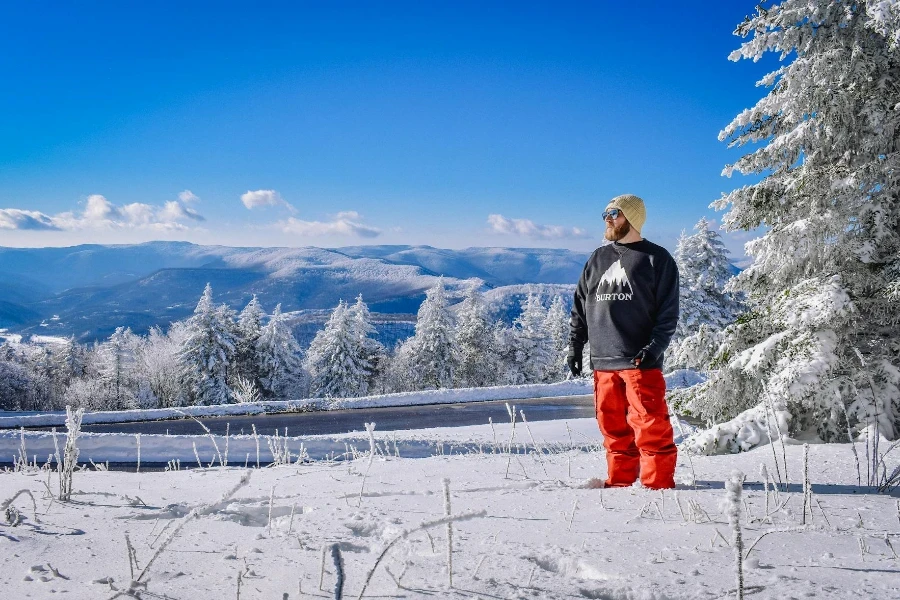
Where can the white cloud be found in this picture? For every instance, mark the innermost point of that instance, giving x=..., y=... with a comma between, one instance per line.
x=187, y=196
x=176, y=211
x=527, y=228
x=100, y=213
x=261, y=198
x=345, y=224
x=99, y=209
x=13, y=218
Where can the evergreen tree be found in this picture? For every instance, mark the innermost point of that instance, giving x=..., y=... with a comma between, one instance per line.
x=208, y=351
x=371, y=350
x=70, y=361
x=705, y=305
x=15, y=386
x=534, y=348
x=557, y=326
x=506, y=346
x=249, y=328
x=474, y=355
x=704, y=271
x=39, y=364
x=432, y=344
x=402, y=368
x=823, y=334
x=280, y=357
x=115, y=365
x=334, y=359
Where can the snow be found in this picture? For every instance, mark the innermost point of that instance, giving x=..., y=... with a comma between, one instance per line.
x=524, y=525
x=747, y=430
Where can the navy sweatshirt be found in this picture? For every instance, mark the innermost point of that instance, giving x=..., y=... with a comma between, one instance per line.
x=626, y=301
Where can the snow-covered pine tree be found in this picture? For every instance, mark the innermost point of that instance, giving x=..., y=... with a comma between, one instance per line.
x=426, y=360
x=249, y=328
x=15, y=386
x=534, y=348
x=114, y=362
x=474, y=355
x=706, y=306
x=371, y=350
x=506, y=346
x=557, y=326
x=70, y=361
x=208, y=351
x=823, y=333
x=280, y=359
x=401, y=371
x=704, y=271
x=334, y=361
x=433, y=341
x=39, y=363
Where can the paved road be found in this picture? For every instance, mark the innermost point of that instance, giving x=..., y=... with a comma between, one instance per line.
x=386, y=419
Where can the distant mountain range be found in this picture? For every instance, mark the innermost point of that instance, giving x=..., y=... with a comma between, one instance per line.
x=89, y=290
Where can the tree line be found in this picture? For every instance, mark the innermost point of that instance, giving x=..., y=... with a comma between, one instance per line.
x=219, y=356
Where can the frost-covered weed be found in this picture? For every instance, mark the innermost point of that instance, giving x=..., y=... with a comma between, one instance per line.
x=734, y=487
x=70, y=452
x=278, y=446
x=447, y=513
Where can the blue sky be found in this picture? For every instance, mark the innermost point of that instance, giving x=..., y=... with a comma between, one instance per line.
x=452, y=124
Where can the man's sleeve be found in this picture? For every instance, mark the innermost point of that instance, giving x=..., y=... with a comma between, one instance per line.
x=667, y=311
x=578, y=333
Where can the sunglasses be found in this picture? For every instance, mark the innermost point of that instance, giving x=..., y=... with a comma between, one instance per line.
x=612, y=213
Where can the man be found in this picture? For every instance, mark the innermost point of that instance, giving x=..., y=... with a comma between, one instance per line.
x=626, y=305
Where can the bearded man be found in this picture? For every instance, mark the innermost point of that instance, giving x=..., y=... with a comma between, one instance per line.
x=626, y=307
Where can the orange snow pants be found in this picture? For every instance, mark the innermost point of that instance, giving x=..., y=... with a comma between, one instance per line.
x=637, y=434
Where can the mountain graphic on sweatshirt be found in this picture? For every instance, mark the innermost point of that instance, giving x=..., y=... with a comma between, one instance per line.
x=612, y=284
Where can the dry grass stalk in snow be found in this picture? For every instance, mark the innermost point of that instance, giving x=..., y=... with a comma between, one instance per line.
x=70, y=452
x=734, y=486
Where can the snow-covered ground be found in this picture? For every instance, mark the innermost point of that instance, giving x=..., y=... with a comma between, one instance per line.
x=529, y=523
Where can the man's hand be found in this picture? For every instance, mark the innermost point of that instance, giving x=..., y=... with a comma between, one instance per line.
x=640, y=357
x=574, y=362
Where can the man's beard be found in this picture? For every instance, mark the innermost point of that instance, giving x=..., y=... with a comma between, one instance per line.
x=614, y=234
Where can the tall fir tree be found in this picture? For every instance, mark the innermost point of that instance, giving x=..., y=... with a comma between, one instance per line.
x=704, y=271
x=279, y=359
x=433, y=341
x=115, y=366
x=474, y=355
x=534, y=347
x=706, y=307
x=372, y=352
x=506, y=346
x=334, y=359
x=208, y=351
x=249, y=328
x=425, y=361
x=822, y=339
x=557, y=326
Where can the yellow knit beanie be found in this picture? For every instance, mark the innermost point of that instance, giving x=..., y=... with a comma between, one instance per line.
x=632, y=207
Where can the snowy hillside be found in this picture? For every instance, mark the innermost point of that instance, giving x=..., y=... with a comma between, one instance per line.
x=94, y=289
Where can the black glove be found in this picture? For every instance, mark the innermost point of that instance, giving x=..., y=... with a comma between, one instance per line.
x=574, y=362
x=643, y=356
x=639, y=358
